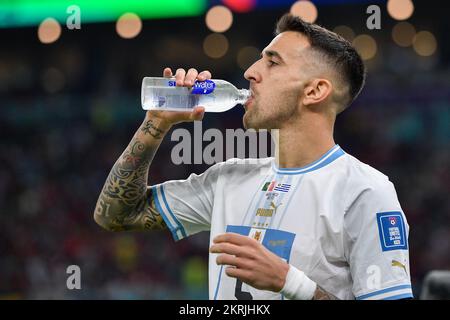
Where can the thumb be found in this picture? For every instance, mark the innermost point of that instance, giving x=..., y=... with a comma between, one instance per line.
x=198, y=113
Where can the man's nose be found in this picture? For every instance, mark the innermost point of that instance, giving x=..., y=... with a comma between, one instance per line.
x=252, y=74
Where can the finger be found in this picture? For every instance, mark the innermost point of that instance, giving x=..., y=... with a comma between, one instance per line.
x=240, y=274
x=190, y=77
x=234, y=238
x=227, y=248
x=167, y=73
x=204, y=75
x=197, y=114
x=227, y=259
x=179, y=76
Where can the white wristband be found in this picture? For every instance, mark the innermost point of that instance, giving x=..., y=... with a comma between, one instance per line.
x=298, y=286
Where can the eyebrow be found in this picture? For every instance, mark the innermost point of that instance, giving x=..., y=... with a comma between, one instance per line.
x=272, y=53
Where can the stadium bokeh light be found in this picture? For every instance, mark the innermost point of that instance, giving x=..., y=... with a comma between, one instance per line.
x=305, y=9
x=366, y=46
x=345, y=31
x=400, y=9
x=49, y=31
x=219, y=19
x=425, y=43
x=403, y=34
x=240, y=5
x=129, y=25
x=215, y=45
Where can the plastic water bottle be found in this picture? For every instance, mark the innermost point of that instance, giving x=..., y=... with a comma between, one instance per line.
x=215, y=95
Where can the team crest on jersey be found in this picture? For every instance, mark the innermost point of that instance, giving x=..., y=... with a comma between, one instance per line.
x=271, y=195
x=391, y=228
x=257, y=234
x=274, y=186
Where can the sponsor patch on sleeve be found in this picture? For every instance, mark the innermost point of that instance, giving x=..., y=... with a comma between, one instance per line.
x=391, y=228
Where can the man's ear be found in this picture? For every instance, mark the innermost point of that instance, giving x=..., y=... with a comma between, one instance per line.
x=316, y=91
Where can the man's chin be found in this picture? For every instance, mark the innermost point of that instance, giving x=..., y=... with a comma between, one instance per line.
x=248, y=124
x=251, y=123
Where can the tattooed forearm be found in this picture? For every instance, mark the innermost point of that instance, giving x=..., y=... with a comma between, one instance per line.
x=126, y=203
x=127, y=180
x=321, y=294
x=150, y=128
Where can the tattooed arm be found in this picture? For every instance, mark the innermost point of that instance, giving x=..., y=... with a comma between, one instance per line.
x=126, y=202
x=321, y=294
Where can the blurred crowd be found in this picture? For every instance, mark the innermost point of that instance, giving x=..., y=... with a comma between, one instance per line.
x=67, y=113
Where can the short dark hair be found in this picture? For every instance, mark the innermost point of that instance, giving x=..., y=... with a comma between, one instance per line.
x=338, y=51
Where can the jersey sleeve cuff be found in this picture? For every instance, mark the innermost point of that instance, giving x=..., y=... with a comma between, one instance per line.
x=174, y=225
x=403, y=291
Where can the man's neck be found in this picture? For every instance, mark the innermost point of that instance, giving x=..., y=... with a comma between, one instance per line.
x=303, y=142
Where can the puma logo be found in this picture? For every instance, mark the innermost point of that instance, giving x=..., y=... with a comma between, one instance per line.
x=396, y=263
x=274, y=206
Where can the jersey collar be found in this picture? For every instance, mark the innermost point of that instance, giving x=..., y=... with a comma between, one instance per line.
x=324, y=160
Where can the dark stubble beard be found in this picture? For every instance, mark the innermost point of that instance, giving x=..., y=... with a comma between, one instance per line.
x=273, y=118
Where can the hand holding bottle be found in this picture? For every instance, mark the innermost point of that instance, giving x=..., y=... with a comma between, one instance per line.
x=187, y=90
x=181, y=79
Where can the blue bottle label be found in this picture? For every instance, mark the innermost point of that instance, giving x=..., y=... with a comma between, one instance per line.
x=203, y=87
x=200, y=87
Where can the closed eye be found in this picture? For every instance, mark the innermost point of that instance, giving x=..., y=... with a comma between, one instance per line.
x=272, y=63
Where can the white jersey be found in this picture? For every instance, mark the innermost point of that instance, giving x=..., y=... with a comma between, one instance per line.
x=337, y=219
